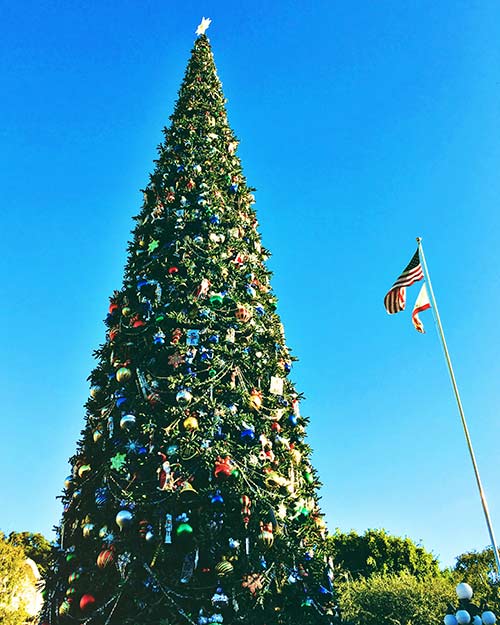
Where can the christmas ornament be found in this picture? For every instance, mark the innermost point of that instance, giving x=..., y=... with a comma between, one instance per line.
x=216, y=300
x=183, y=528
x=223, y=467
x=252, y=582
x=159, y=338
x=187, y=493
x=247, y=434
x=101, y=496
x=118, y=461
x=127, y=422
x=266, y=535
x=224, y=568
x=105, y=558
x=88, y=529
x=255, y=400
x=84, y=470
x=192, y=337
x=183, y=396
x=65, y=606
x=87, y=602
x=217, y=498
x=276, y=386
x=246, y=504
x=243, y=314
x=94, y=391
x=168, y=529
x=124, y=519
x=96, y=435
x=123, y=374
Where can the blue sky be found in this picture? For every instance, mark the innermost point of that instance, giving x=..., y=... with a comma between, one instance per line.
x=362, y=125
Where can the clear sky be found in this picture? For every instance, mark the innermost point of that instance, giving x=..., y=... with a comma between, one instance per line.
x=362, y=125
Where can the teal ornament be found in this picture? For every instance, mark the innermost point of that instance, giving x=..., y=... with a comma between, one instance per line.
x=124, y=519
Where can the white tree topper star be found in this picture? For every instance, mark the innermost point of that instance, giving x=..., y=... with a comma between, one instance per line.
x=205, y=23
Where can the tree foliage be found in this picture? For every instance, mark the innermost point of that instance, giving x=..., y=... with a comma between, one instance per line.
x=12, y=579
x=377, y=552
x=477, y=568
x=35, y=546
x=395, y=599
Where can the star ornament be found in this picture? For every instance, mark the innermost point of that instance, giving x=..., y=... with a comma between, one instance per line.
x=204, y=24
x=118, y=461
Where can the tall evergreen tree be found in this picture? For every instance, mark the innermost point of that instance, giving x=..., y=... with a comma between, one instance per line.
x=192, y=499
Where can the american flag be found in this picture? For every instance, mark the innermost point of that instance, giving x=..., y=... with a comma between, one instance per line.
x=395, y=300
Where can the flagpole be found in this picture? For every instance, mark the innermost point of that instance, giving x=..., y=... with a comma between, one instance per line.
x=460, y=409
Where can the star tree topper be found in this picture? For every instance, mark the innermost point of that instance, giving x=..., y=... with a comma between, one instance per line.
x=205, y=23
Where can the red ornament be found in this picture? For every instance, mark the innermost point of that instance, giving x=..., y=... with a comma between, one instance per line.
x=223, y=467
x=173, y=270
x=275, y=426
x=112, y=334
x=113, y=307
x=176, y=336
x=87, y=602
x=137, y=322
x=246, y=504
x=105, y=558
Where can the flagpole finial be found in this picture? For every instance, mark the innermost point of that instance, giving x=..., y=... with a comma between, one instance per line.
x=204, y=24
x=419, y=239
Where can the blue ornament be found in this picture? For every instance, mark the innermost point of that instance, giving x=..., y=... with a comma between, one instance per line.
x=101, y=496
x=214, y=219
x=293, y=420
x=233, y=188
x=217, y=498
x=288, y=367
x=247, y=435
x=214, y=338
x=159, y=338
x=259, y=309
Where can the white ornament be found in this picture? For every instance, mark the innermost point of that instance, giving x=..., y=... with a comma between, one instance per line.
x=464, y=591
x=204, y=24
x=463, y=617
x=488, y=618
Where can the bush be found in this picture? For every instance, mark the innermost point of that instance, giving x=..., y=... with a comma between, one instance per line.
x=396, y=599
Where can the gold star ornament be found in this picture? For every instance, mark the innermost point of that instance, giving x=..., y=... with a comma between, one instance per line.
x=205, y=23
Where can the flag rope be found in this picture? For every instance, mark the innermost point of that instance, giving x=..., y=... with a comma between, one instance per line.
x=460, y=409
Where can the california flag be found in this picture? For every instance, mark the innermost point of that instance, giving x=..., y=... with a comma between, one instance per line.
x=421, y=304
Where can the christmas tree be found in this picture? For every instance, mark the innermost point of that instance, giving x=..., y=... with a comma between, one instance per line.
x=192, y=499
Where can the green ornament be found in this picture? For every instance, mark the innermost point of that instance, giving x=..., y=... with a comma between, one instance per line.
x=216, y=300
x=308, y=476
x=184, y=528
x=153, y=245
x=118, y=461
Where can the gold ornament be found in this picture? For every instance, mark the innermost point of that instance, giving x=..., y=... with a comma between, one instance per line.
x=255, y=400
x=123, y=374
x=191, y=424
x=224, y=568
